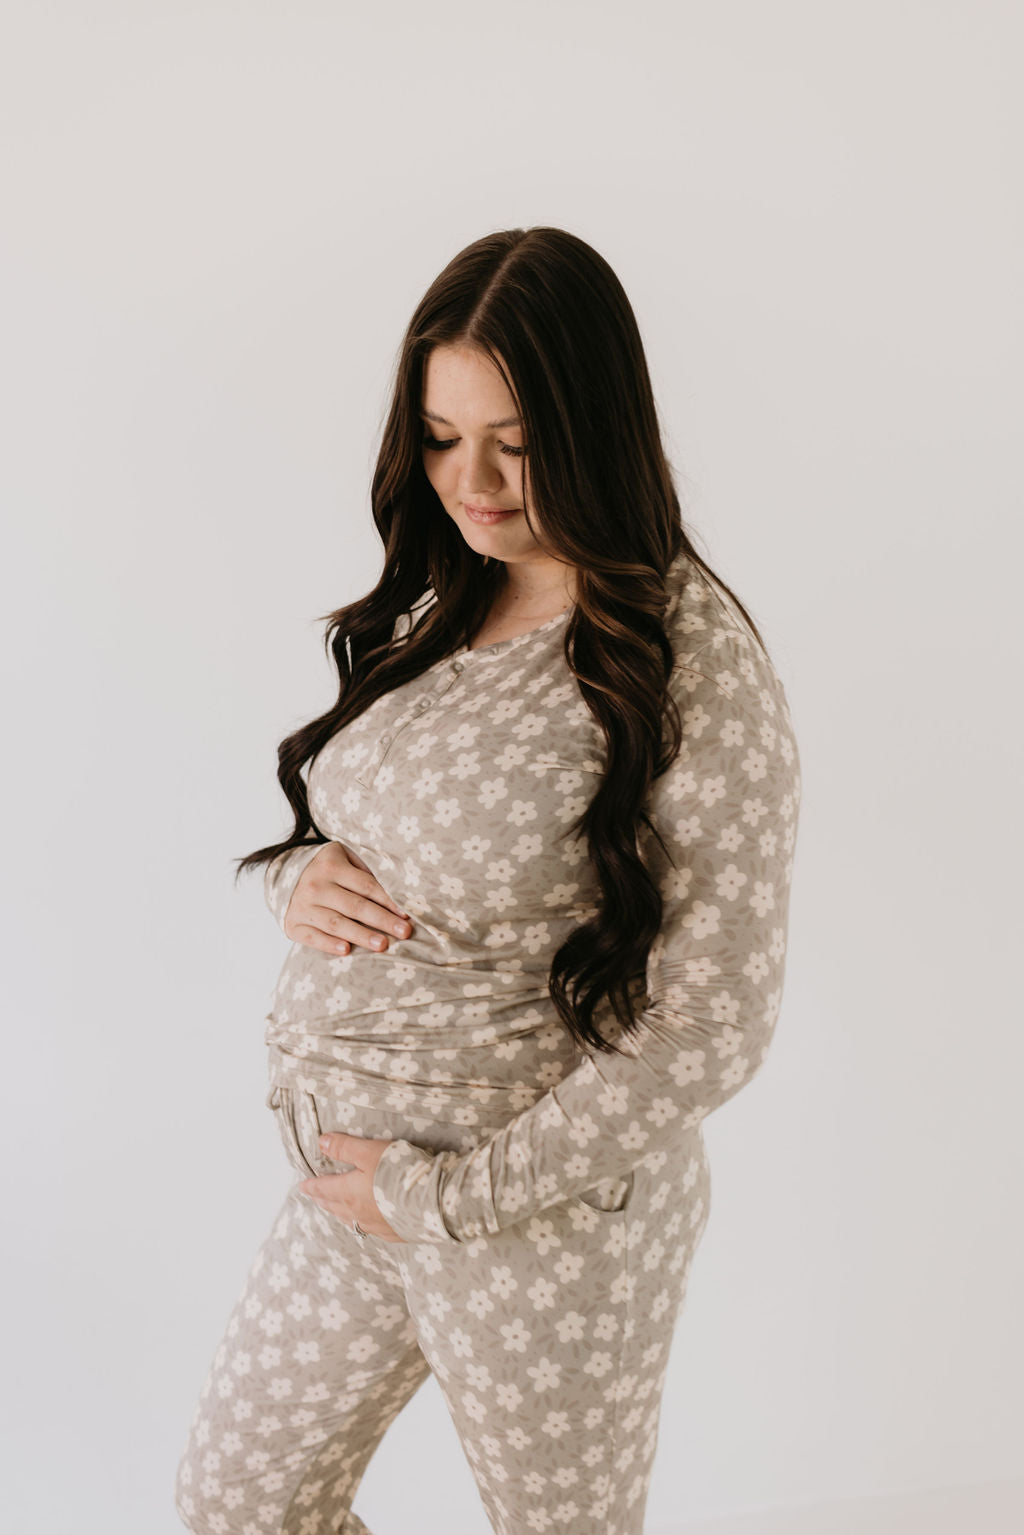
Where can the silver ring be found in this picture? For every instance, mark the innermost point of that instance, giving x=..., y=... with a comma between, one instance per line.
x=360, y=1233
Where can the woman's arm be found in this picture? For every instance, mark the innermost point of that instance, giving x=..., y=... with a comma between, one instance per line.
x=727, y=810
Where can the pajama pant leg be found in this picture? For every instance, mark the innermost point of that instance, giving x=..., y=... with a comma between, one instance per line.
x=318, y=1358
x=549, y=1341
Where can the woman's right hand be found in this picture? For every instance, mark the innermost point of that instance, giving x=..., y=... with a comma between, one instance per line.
x=337, y=903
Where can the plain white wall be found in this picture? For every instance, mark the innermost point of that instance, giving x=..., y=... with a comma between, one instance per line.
x=217, y=219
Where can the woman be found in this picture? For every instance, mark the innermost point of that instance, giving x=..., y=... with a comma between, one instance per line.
x=538, y=896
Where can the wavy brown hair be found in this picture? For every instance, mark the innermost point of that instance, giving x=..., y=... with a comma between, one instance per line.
x=551, y=315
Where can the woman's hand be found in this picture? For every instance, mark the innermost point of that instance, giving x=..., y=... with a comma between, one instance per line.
x=349, y=1195
x=337, y=902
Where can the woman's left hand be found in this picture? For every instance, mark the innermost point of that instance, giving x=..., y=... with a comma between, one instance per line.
x=349, y=1195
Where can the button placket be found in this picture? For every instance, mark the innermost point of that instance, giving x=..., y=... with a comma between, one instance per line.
x=368, y=775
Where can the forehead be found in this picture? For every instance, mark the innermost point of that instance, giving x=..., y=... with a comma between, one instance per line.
x=460, y=383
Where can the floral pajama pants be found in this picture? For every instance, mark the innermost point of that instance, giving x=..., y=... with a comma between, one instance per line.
x=549, y=1341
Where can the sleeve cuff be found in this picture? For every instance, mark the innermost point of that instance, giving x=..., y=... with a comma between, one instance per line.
x=406, y=1185
x=282, y=875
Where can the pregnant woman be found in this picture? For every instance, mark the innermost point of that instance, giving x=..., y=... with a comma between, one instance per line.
x=537, y=892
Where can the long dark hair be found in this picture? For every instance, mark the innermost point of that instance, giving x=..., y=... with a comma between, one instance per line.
x=551, y=315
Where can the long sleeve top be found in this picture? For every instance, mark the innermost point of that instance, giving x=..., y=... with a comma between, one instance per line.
x=456, y=790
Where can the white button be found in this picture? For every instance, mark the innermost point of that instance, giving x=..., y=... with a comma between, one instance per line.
x=456, y=666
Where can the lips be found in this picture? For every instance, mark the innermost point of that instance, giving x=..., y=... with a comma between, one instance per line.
x=488, y=513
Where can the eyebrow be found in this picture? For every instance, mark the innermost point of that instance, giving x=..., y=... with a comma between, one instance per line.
x=505, y=420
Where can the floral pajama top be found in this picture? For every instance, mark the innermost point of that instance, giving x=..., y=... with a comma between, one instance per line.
x=457, y=790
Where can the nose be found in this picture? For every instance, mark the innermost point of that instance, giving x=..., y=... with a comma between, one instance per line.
x=481, y=472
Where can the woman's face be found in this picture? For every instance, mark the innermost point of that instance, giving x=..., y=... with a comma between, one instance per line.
x=476, y=456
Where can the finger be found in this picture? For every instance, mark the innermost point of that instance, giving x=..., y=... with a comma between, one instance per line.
x=342, y=926
x=310, y=1189
x=370, y=885
x=362, y=899
x=321, y=927
x=328, y=1189
x=336, y=1143
x=315, y=938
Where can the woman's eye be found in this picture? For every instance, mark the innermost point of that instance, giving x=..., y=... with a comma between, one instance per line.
x=432, y=442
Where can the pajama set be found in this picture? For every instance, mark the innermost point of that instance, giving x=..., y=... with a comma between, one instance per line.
x=550, y=1199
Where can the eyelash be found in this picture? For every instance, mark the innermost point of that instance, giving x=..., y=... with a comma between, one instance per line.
x=432, y=442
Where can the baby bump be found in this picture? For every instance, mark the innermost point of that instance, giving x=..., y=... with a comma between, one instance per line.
x=477, y=1081
x=302, y=1117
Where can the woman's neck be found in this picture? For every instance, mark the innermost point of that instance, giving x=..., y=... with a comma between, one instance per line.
x=523, y=597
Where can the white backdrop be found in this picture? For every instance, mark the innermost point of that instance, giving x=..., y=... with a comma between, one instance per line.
x=217, y=219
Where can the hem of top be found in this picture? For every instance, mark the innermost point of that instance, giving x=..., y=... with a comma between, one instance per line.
x=279, y=1075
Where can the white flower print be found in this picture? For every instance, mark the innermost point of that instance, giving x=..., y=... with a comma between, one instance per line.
x=516, y=1335
x=473, y=1407
x=427, y=781
x=543, y=1235
x=503, y=1283
x=569, y=1267
x=508, y=1395
x=491, y=791
x=556, y=1424
x=542, y=1293
x=333, y=1315
x=545, y=1374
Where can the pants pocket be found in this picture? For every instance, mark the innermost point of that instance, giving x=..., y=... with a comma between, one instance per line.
x=285, y=1102
x=609, y=1197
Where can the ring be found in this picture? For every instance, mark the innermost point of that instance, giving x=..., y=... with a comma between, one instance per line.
x=360, y=1233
